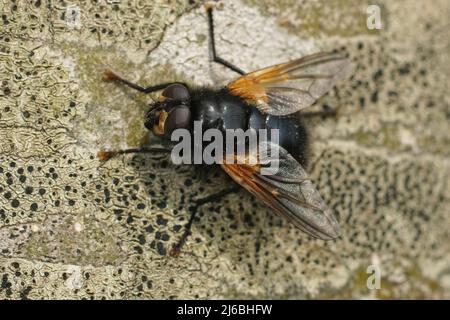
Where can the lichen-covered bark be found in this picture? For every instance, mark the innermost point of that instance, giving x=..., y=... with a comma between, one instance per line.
x=71, y=227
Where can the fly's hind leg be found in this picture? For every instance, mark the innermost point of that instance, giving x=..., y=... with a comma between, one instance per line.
x=176, y=249
x=212, y=42
x=327, y=112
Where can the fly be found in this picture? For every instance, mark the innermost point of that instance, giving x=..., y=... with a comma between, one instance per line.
x=270, y=98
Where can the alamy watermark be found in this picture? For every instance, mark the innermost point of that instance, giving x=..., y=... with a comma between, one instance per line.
x=249, y=147
x=73, y=16
x=374, y=17
x=374, y=279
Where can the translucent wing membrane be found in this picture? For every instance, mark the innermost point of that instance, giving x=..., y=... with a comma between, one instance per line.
x=288, y=192
x=289, y=87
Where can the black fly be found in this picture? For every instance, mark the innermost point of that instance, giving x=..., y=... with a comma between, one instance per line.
x=270, y=98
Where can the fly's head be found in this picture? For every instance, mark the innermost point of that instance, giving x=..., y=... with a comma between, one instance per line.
x=172, y=111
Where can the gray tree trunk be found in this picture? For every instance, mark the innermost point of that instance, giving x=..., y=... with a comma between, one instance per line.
x=73, y=228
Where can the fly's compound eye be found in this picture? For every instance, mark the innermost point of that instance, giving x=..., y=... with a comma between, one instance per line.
x=176, y=91
x=178, y=118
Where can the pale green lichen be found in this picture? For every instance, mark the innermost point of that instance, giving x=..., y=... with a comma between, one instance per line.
x=106, y=96
x=387, y=136
x=344, y=18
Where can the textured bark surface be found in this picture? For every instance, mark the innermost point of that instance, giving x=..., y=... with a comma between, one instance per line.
x=71, y=227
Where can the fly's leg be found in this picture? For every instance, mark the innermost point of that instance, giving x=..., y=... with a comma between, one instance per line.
x=176, y=249
x=325, y=113
x=106, y=155
x=109, y=75
x=212, y=43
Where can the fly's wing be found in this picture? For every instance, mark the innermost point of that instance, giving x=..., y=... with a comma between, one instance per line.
x=289, y=87
x=287, y=190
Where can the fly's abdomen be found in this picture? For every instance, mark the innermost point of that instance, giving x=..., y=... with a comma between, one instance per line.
x=292, y=132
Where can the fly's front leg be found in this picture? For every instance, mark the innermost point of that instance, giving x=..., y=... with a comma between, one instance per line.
x=109, y=75
x=176, y=249
x=106, y=155
x=212, y=42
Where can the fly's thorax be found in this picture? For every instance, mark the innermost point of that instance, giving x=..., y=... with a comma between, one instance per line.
x=218, y=109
